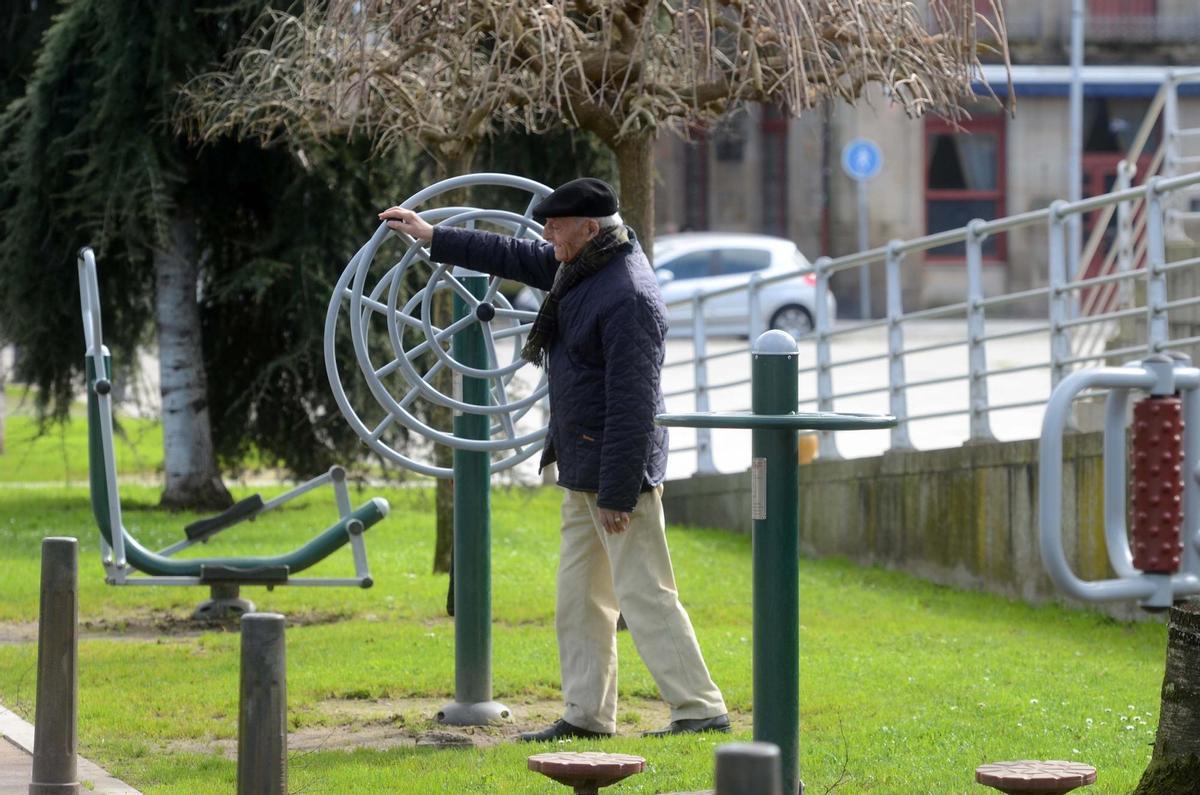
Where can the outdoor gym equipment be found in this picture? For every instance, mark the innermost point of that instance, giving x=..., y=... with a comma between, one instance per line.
x=387, y=308
x=586, y=771
x=1028, y=777
x=126, y=562
x=775, y=508
x=1157, y=563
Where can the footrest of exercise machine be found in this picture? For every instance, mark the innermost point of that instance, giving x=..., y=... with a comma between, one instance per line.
x=251, y=575
x=203, y=528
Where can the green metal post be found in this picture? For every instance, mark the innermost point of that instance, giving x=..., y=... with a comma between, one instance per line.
x=775, y=509
x=776, y=514
x=473, y=704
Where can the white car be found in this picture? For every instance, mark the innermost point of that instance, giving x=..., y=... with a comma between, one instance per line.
x=686, y=263
x=709, y=261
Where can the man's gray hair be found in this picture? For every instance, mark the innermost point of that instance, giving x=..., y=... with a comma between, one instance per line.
x=609, y=221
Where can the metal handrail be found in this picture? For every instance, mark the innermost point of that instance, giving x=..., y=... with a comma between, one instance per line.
x=1084, y=308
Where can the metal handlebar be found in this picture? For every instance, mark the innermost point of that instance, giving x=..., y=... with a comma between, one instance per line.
x=1158, y=376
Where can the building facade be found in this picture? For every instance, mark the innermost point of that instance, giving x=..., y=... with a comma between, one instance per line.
x=762, y=172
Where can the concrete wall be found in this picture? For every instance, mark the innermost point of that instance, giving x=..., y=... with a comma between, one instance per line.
x=965, y=517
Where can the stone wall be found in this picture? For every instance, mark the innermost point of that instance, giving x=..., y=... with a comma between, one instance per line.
x=965, y=517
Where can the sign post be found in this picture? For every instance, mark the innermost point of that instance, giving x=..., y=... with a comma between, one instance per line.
x=862, y=160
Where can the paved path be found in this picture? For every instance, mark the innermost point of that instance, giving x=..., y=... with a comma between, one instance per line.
x=16, y=762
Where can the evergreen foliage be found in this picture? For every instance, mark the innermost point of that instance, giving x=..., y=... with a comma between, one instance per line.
x=89, y=156
x=86, y=157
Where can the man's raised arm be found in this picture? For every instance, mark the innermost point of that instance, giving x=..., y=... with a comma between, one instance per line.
x=529, y=261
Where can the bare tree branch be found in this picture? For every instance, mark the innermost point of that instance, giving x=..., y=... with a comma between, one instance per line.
x=441, y=71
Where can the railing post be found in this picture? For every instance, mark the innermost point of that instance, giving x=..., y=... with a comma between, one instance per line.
x=828, y=445
x=1060, y=347
x=704, y=453
x=1125, y=173
x=1172, y=157
x=981, y=428
x=1157, y=328
x=1170, y=119
x=897, y=386
x=756, y=321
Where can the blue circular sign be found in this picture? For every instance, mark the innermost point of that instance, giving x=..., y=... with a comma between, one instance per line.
x=861, y=159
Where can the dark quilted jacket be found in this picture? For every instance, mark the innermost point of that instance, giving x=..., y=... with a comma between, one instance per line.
x=604, y=367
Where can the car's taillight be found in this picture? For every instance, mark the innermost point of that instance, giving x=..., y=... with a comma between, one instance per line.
x=810, y=279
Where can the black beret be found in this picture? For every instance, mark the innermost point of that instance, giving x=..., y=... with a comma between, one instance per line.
x=580, y=198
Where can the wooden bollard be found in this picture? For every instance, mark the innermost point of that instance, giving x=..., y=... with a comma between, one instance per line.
x=749, y=769
x=55, y=760
x=262, y=708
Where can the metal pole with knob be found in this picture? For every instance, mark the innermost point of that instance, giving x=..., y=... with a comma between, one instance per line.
x=775, y=509
x=473, y=704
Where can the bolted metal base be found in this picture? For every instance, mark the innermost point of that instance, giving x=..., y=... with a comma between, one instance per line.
x=482, y=713
x=224, y=604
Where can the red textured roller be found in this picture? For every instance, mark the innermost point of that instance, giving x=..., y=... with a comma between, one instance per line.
x=1157, y=484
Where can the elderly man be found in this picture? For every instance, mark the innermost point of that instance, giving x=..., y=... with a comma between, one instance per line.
x=600, y=334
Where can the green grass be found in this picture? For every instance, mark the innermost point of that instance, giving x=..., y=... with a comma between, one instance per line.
x=906, y=686
x=58, y=452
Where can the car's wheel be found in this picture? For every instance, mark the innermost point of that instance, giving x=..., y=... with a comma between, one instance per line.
x=794, y=319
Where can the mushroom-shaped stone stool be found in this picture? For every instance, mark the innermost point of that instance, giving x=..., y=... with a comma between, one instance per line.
x=586, y=771
x=1028, y=777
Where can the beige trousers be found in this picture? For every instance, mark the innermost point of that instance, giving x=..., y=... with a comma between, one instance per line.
x=602, y=575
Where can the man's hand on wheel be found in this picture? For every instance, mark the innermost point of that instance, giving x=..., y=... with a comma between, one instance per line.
x=614, y=521
x=408, y=222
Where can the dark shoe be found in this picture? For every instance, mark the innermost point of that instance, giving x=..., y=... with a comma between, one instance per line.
x=692, y=725
x=561, y=730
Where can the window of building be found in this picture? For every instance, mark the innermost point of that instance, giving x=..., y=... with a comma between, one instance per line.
x=1111, y=123
x=729, y=138
x=774, y=181
x=695, y=182
x=1122, y=20
x=964, y=179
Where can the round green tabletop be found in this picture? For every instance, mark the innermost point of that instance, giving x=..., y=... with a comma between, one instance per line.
x=800, y=421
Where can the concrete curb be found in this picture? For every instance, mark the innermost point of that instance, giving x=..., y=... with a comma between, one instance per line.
x=18, y=733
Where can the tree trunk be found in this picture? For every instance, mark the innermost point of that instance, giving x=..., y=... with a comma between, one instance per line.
x=1175, y=766
x=635, y=165
x=450, y=164
x=189, y=464
x=3, y=397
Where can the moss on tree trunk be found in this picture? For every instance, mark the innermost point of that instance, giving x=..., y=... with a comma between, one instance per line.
x=1175, y=766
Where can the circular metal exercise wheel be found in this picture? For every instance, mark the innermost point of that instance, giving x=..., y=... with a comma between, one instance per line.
x=386, y=305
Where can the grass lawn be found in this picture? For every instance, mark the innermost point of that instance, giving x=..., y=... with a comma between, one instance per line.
x=906, y=686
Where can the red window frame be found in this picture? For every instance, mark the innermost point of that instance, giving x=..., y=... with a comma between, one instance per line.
x=981, y=124
x=1122, y=8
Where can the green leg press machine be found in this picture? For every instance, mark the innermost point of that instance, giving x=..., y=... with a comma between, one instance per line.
x=126, y=562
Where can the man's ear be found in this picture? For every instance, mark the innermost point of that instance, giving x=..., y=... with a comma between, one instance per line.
x=593, y=227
